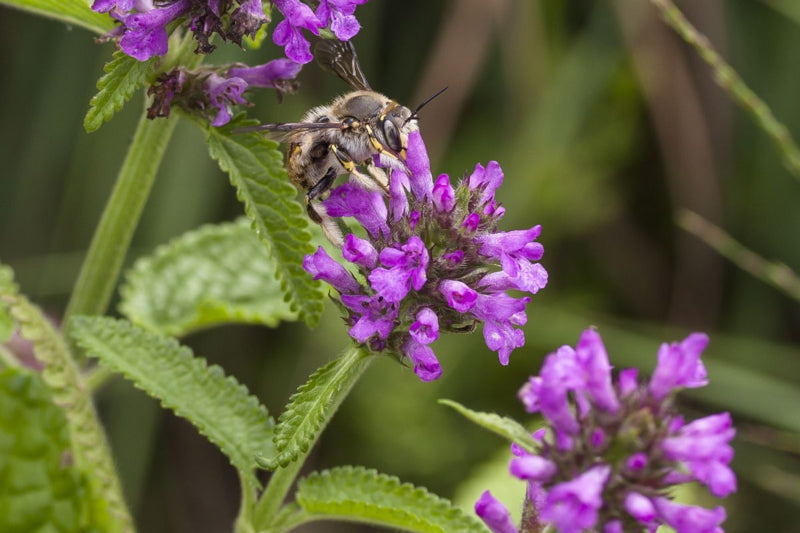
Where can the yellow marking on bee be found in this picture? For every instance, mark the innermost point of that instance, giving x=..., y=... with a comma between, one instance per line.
x=349, y=165
x=403, y=153
x=374, y=140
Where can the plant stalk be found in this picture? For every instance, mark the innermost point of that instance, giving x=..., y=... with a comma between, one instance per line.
x=113, y=235
x=355, y=362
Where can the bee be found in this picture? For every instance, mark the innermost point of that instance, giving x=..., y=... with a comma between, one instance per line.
x=344, y=136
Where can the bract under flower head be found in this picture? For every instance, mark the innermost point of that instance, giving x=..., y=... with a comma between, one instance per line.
x=611, y=452
x=437, y=273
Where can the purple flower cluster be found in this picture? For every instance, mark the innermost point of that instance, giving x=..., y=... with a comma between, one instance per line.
x=338, y=14
x=612, y=449
x=143, y=23
x=143, y=30
x=212, y=94
x=431, y=260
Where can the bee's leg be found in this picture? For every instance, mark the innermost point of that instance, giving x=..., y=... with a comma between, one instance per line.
x=381, y=175
x=349, y=165
x=316, y=211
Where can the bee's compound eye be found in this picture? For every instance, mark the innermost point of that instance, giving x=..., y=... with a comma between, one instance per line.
x=392, y=135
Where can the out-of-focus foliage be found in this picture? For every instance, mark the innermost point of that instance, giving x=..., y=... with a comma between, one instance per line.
x=605, y=124
x=217, y=274
x=42, y=490
x=219, y=406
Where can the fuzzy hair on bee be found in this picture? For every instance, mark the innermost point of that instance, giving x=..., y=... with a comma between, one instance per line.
x=343, y=137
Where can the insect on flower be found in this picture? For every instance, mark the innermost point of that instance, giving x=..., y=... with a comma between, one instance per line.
x=344, y=136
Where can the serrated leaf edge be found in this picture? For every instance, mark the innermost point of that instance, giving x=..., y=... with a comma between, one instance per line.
x=504, y=426
x=199, y=364
x=425, y=504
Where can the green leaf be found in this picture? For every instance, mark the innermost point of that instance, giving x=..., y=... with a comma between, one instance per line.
x=214, y=275
x=73, y=12
x=503, y=426
x=41, y=489
x=359, y=494
x=62, y=376
x=220, y=408
x=256, y=170
x=123, y=76
x=311, y=407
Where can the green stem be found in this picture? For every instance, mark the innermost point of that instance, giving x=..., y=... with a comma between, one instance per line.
x=113, y=235
x=778, y=275
x=353, y=364
x=729, y=80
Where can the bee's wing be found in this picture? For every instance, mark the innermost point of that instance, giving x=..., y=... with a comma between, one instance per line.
x=289, y=131
x=340, y=58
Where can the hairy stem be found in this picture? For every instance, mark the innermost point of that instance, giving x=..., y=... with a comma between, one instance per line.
x=354, y=362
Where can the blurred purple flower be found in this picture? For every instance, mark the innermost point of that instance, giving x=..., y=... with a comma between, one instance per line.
x=610, y=453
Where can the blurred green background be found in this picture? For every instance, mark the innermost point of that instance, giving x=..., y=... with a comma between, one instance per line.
x=605, y=124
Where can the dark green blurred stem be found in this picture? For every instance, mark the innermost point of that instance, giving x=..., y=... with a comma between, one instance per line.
x=778, y=275
x=355, y=362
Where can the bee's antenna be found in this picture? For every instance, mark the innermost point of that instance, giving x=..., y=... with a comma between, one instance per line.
x=423, y=104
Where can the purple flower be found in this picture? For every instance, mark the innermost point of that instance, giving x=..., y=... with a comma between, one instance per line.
x=224, y=92
x=494, y=514
x=679, y=365
x=372, y=316
x=532, y=468
x=120, y=6
x=146, y=33
x=610, y=452
x=591, y=356
x=408, y=264
x=703, y=446
x=425, y=328
x=426, y=366
x=437, y=275
x=572, y=506
x=359, y=251
x=367, y=207
x=288, y=33
x=459, y=295
x=688, y=518
x=339, y=14
x=443, y=194
x=143, y=23
x=640, y=507
x=324, y=267
x=272, y=74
